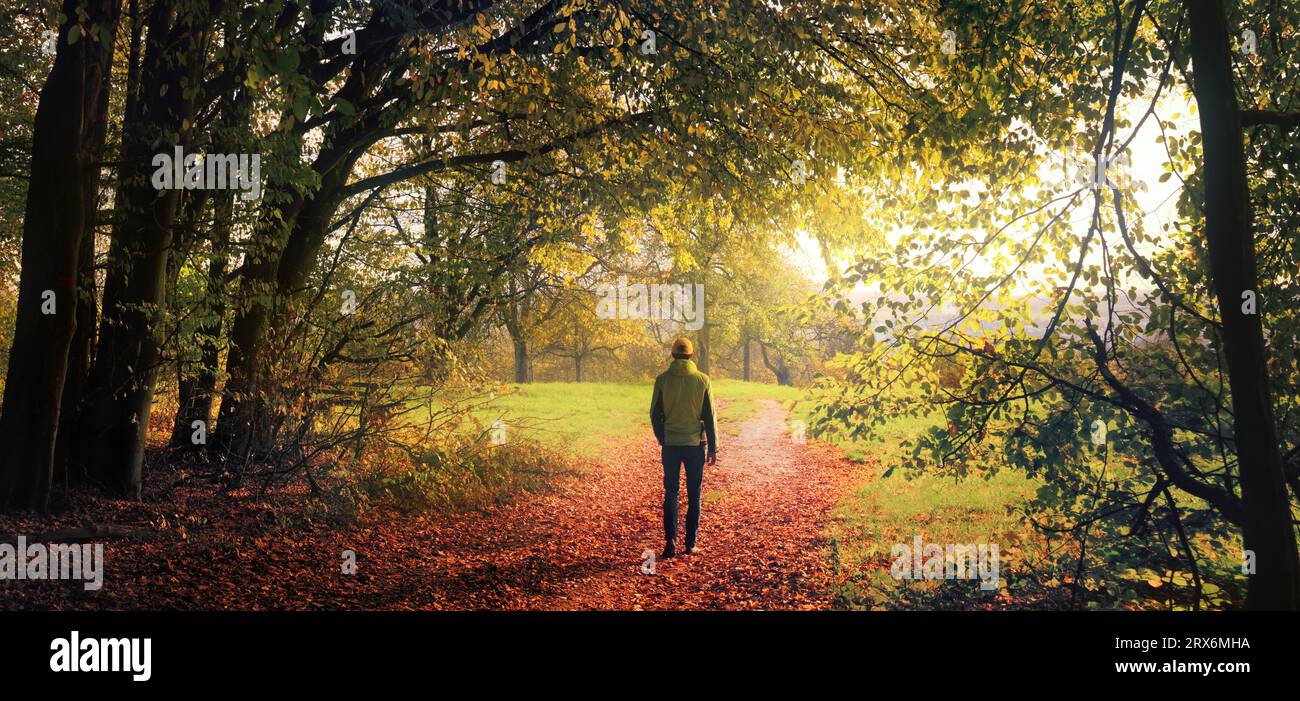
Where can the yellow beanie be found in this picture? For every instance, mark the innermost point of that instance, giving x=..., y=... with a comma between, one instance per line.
x=682, y=346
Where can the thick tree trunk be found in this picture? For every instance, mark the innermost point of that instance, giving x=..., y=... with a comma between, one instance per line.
x=66, y=458
x=124, y=376
x=292, y=231
x=577, y=368
x=54, y=224
x=279, y=276
x=291, y=242
x=81, y=351
x=186, y=411
x=247, y=333
x=1267, y=528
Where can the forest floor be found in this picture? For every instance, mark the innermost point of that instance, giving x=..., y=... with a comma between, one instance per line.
x=580, y=545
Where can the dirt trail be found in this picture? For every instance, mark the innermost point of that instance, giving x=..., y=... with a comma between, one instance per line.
x=582, y=548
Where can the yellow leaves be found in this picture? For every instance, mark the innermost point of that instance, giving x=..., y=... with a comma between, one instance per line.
x=481, y=30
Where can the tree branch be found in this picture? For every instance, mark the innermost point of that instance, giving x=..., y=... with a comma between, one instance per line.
x=1285, y=120
x=1162, y=439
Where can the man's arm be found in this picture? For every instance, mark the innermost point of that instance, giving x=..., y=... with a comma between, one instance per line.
x=706, y=415
x=657, y=413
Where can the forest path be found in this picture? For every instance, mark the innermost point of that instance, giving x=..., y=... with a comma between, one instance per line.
x=578, y=546
x=583, y=547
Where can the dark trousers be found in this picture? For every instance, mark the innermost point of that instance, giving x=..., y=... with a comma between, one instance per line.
x=674, y=456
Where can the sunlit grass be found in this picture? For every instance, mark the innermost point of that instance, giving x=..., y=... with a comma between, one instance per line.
x=897, y=502
x=587, y=416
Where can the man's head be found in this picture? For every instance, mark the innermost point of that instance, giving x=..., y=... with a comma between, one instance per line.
x=682, y=349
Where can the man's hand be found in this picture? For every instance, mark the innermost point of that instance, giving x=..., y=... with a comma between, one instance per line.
x=713, y=458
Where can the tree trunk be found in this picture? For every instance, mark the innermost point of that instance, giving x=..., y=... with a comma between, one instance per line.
x=81, y=351
x=745, y=373
x=247, y=331
x=782, y=373
x=513, y=316
x=577, y=368
x=124, y=376
x=198, y=390
x=284, y=249
x=278, y=275
x=702, y=350
x=81, y=358
x=289, y=244
x=779, y=368
x=54, y=224
x=523, y=368
x=1266, y=529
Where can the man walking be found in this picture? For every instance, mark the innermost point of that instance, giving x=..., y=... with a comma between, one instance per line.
x=680, y=410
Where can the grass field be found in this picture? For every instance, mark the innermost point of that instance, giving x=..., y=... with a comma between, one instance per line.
x=895, y=503
x=580, y=417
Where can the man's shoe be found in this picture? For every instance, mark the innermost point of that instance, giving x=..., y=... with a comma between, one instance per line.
x=693, y=550
x=668, y=552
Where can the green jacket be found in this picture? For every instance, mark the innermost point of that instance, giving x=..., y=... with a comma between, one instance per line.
x=681, y=407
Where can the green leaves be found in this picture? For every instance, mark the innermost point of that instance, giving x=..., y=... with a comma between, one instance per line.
x=287, y=61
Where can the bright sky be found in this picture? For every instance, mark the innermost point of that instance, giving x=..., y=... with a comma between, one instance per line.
x=1156, y=202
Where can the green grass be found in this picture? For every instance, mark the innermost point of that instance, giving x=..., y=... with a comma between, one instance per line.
x=740, y=399
x=581, y=417
x=895, y=503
